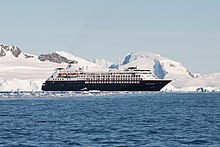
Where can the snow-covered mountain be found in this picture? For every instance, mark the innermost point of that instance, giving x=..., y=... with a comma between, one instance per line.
x=27, y=72
x=5, y=49
x=165, y=68
x=22, y=71
x=10, y=50
x=161, y=66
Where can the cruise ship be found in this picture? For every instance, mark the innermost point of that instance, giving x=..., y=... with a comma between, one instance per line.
x=74, y=78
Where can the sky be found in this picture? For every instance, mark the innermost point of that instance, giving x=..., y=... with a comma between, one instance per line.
x=187, y=31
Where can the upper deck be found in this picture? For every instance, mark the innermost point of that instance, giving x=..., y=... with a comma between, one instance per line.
x=78, y=74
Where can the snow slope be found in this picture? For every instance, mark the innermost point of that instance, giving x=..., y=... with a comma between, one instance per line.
x=160, y=66
x=85, y=64
x=28, y=74
x=102, y=62
x=21, y=68
x=164, y=68
x=19, y=73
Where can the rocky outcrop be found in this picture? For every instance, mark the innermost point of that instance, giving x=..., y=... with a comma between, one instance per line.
x=2, y=53
x=13, y=49
x=28, y=56
x=54, y=57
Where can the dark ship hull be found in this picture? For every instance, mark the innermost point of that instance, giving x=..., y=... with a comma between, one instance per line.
x=147, y=85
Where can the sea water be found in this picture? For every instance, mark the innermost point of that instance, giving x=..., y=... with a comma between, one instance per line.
x=120, y=119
